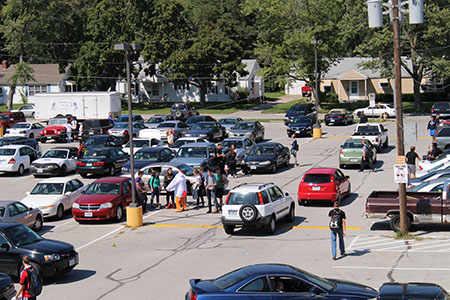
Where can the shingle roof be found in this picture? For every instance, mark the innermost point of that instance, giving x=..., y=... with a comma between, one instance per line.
x=43, y=74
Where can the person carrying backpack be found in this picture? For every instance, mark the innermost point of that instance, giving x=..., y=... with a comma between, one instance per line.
x=294, y=150
x=337, y=228
x=30, y=281
x=367, y=157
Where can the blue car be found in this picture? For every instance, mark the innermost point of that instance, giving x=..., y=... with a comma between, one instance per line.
x=276, y=282
x=134, y=118
x=147, y=156
x=266, y=157
x=212, y=131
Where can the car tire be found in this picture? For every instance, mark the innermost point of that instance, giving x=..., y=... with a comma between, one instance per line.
x=38, y=223
x=31, y=136
x=245, y=171
x=341, y=166
x=291, y=215
x=386, y=143
x=60, y=212
x=112, y=171
x=248, y=213
x=43, y=141
x=119, y=213
x=229, y=229
x=63, y=171
x=327, y=123
x=178, y=114
x=272, y=226
x=302, y=202
x=349, y=192
x=21, y=170
x=273, y=170
x=395, y=223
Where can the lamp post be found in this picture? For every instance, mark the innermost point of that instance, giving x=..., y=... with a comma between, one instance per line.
x=316, y=81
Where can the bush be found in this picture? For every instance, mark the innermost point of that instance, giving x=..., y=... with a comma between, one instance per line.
x=240, y=93
x=332, y=98
x=271, y=85
x=426, y=97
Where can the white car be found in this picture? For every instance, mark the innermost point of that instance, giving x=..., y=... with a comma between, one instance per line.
x=258, y=205
x=54, y=196
x=376, y=111
x=56, y=161
x=426, y=166
x=16, y=158
x=436, y=185
x=28, y=110
x=30, y=130
x=139, y=143
x=186, y=140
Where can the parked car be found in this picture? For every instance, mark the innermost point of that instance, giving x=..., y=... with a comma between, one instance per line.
x=105, y=199
x=27, y=109
x=140, y=143
x=195, y=119
x=351, y=153
x=299, y=109
x=328, y=184
x=230, y=122
x=93, y=127
x=442, y=137
x=435, y=185
x=241, y=146
x=8, y=119
x=101, y=161
x=122, y=130
x=179, y=128
x=16, y=158
x=253, y=130
x=441, y=108
x=7, y=290
x=198, y=155
x=25, y=129
x=433, y=175
x=427, y=165
x=146, y=156
x=105, y=140
x=260, y=205
x=378, y=110
x=338, y=116
x=301, y=125
x=56, y=130
x=16, y=212
x=412, y=290
x=54, y=196
x=376, y=133
x=48, y=257
x=155, y=120
x=186, y=140
x=435, y=167
x=56, y=161
x=17, y=140
x=134, y=119
x=264, y=281
x=182, y=111
x=265, y=157
x=212, y=131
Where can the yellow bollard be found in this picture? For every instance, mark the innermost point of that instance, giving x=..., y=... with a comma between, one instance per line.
x=317, y=133
x=134, y=216
x=1, y=131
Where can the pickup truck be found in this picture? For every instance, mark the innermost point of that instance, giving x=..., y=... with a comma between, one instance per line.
x=374, y=132
x=422, y=207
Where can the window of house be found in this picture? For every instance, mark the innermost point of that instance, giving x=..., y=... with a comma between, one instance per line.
x=34, y=89
x=1, y=92
x=155, y=89
x=384, y=85
x=327, y=89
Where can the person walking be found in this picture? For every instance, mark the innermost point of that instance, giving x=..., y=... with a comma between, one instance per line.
x=154, y=183
x=26, y=275
x=432, y=126
x=210, y=185
x=367, y=157
x=220, y=185
x=74, y=126
x=141, y=191
x=231, y=162
x=178, y=185
x=201, y=187
x=110, y=118
x=362, y=118
x=411, y=157
x=69, y=131
x=196, y=187
x=294, y=150
x=220, y=158
x=170, y=137
x=338, y=229
x=169, y=195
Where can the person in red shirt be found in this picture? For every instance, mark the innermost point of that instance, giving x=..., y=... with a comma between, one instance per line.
x=24, y=280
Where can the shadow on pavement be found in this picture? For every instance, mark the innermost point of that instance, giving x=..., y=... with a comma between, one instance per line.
x=386, y=150
x=70, y=277
x=382, y=225
x=282, y=227
x=349, y=199
x=355, y=253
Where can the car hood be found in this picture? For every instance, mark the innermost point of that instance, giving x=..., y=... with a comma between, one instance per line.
x=16, y=129
x=199, y=131
x=48, y=161
x=41, y=200
x=351, y=288
x=240, y=131
x=95, y=199
x=54, y=127
x=193, y=161
x=258, y=158
x=49, y=247
x=138, y=164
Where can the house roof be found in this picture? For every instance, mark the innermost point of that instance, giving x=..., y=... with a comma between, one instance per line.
x=43, y=74
x=350, y=65
x=250, y=66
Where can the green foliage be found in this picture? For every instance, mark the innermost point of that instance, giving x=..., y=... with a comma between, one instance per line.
x=240, y=94
x=283, y=107
x=22, y=75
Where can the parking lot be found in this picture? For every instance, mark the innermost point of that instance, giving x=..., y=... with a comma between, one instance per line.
x=158, y=259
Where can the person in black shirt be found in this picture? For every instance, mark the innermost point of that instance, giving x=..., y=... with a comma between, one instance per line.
x=337, y=228
x=411, y=162
x=363, y=118
x=433, y=152
x=432, y=126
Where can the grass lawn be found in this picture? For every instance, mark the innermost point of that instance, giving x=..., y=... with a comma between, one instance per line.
x=283, y=107
x=15, y=106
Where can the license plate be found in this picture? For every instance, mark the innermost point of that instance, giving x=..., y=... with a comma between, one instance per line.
x=72, y=262
x=40, y=171
x=88, y=164
x=253, y=167
x=298, y=131
x=88, y=214
x=332, y=120
x=316, y=188
x=232, y=212
x=353, y=159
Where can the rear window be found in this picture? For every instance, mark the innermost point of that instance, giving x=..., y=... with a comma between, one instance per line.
x=357, y=144
x=445, y=131
x=230, y=279
x=441, y=105
x=317, y=178
x=243, y=198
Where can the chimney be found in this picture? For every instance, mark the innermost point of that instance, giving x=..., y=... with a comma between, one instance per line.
x=4, y=64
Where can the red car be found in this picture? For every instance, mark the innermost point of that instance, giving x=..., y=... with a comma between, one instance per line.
x=104, y=199
x=8, y=119
x=56, y=130
x=323, y=184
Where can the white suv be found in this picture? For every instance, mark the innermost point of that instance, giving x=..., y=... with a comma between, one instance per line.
x=256, y=205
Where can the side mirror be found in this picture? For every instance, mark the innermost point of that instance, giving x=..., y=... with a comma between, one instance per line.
x=68, y=193
x=286, y=194
x=340, y=146
x=27, y=193
x=5, y=246
x=30, y=208
x=347, y=177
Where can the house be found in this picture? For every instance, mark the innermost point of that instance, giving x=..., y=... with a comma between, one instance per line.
x=158, y=88
x=47, y=77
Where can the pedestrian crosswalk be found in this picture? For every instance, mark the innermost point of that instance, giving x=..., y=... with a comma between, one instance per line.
x=389, y=244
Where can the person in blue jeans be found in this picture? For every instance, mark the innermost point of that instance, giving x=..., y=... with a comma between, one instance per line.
x=154, y=183
x=337, y=228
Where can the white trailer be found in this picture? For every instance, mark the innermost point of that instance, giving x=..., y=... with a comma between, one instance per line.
x=82, y=105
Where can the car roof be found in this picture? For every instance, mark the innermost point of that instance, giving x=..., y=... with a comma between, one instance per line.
x=99, y=136
x=321, y=171
x=261, y=269
x=207, y=122
x=199, y=145
x=246, y=121
x=237, y=138
x=56, y=180
x=152, y=149
x=251, y=187
x=14, y=146
x=8, y=225
x=230, y=118
x=4, y=203
x=412, y=288
x=127, y=116
x=172, y=121
x=268, y=144
x=111, y=179
x=169, y=164
x=342, y=110
x=190, y=138
x=102, y=148
x=65, y=148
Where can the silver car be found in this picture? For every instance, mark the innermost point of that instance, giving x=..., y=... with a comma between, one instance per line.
x=178, y=127
x=122, y=129
x=17, y=212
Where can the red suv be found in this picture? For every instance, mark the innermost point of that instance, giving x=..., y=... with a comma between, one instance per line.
x=8, y=119
x=104, y=199
x=55, y=130
x=323, y=184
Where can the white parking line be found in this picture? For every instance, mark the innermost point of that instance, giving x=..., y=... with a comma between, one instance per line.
x=353, y=242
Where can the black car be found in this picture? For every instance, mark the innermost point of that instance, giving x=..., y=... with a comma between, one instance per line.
x=146, y=156
x=49, y=257
x=212, y=131
x=182, y=111
x=299, y=109
x=95, y=127
x=195, y=119
x=103, y=161
x=265, y=157
x=338, y=116
x=104, y=140
x=412, y=290
x=18, y=140
x=301, y=125
x=276, y=281
x=7, y=290
x=441, y=108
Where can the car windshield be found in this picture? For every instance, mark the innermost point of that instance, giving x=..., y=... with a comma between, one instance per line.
x=187, y=170
x=194, y=120
x=2, y=212
x=227, y=280
x=368, y=129
x=56, y=154
x=262, y=151
x=243, y=198
x=103, y=188
x=122, y=119
x=3, y=117
x=155, y=120
x=166, y=125
x=120, y=126
x=303, y=120
x=179, y=143
x=227, y=121
x=200, y=126
x=445, y=131
x=7, y=152
x=178, y=106
x=244, y=126
x=21, y=126
x=420, y=186
x=139, y=143
x=335, y=112
x=193, y=152
x=96, y=154
x=48, y=189
x=237, y=144
x=354, y=144
x=87, y=124
x=95, y=141
x=297, y=109
x=21, y=235
x=317, y=178
x=57, y=122
x=146, y=156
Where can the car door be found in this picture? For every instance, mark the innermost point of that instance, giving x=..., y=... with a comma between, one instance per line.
x=126, y=193
x=122, y=158
x=292, y=288
x=15, y=216
x=271, y=207
x=258, y=288
x=284, y=205
x=259, y=131
x=78, y=187
x=341, y=182
x=66, y=198
x=9, y=258
x=71, y=161
x=25, y=213
x=24, y=157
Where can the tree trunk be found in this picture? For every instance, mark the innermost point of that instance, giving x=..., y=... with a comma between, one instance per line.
x=9, y=101
x=203, y=88
x=417, y=71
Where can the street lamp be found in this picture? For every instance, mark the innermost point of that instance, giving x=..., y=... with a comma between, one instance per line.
x=127, y=48
x=316, y=43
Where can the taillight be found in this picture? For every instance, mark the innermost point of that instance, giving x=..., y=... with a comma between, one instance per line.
x=367, y=208
x=192, y=294
x=261, y=201
x=432, y=109
x=326, y=116
x=109, y=132
x=340, y=116
x=12, y=161
x=100, y=163
x=226, y=200
x=81, y=163
x=420, y=168
x=125, y=132
x=376, y=140
x=332, y=179
x=341, y=152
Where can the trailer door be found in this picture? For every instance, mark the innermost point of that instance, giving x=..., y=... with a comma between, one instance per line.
x=90, y=107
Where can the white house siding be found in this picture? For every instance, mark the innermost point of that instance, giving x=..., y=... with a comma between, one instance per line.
x=294, y=87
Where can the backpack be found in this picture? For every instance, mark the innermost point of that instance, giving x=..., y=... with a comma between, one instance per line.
x=334, y=222
x=369, y=153
x=34, y=282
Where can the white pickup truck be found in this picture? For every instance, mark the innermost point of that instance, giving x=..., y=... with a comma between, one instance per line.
x=374, y=132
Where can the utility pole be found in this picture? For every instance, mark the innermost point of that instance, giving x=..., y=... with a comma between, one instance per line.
x=316, y=80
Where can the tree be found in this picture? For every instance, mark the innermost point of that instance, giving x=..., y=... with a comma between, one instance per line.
x=22, y=75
